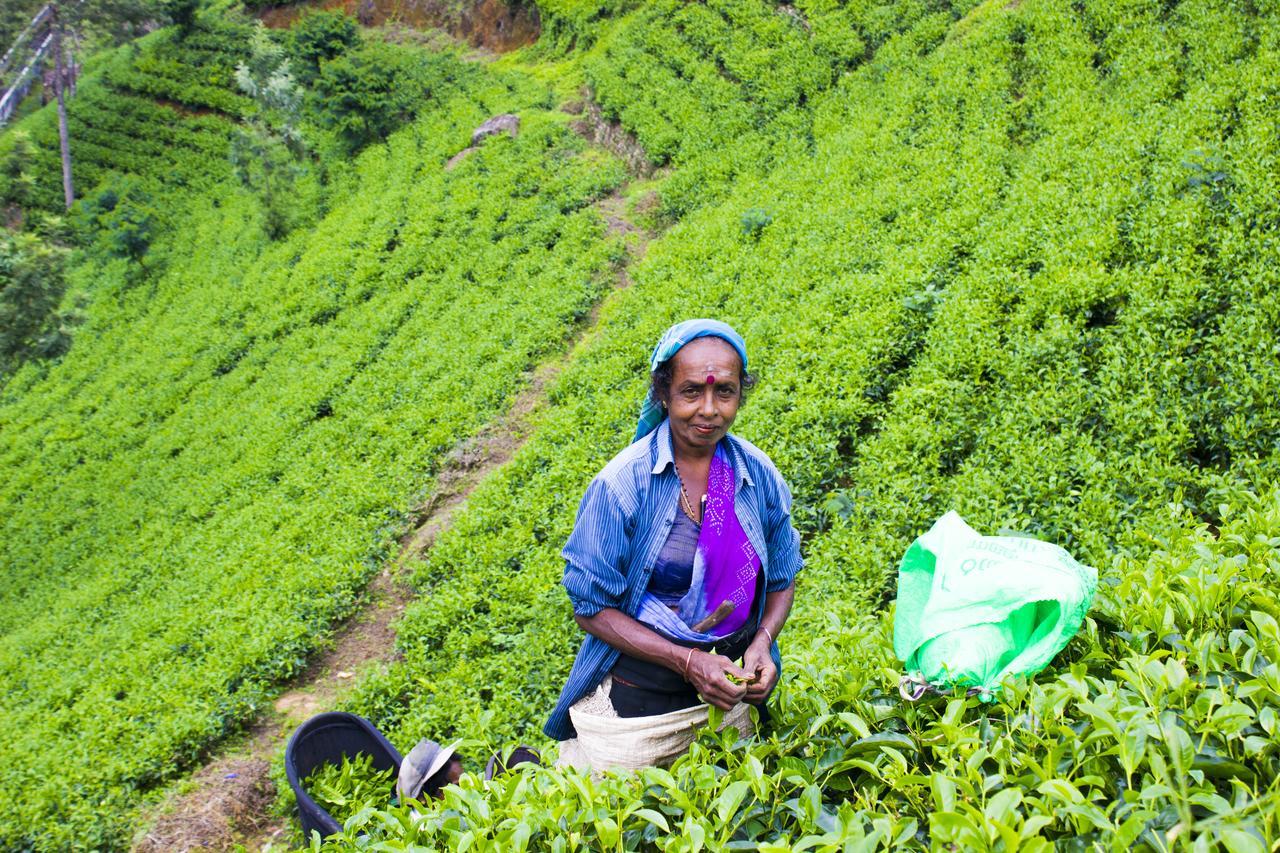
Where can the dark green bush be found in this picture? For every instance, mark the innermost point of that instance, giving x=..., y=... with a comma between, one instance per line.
x=120, y=219
x=31, y=287
x=753, y=221
x=365, y=94
x=317, y=38
x=16, y=173
x=182, y=13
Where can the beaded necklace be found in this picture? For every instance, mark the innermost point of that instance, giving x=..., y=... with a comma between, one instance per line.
x=685, y=503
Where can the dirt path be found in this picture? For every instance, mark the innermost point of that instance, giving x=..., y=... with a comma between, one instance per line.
x=226, y=804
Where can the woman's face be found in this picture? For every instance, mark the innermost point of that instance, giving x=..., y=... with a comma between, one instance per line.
x=705, y=394
x=452, y=773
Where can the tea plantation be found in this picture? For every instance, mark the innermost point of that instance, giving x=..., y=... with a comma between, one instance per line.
x=1019, y=260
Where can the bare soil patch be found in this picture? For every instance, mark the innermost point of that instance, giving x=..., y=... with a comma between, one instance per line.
x=609, y=135
x=492, y=25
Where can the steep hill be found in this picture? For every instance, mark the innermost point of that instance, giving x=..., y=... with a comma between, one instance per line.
x=203, y=486
x=1014, y=276
x=1013, y=259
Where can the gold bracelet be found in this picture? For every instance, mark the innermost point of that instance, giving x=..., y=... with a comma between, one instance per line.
x=688, y=658
x=768, y=634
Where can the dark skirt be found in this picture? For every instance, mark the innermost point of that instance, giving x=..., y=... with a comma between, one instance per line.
x=643, y=689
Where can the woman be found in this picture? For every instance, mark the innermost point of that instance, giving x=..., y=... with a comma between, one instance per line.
x=682, y=561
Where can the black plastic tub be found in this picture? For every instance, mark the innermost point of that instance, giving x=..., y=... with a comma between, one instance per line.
x=326, y=739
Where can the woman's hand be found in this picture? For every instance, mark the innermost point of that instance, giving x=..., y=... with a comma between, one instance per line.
x=759, y=663
x=707, y=673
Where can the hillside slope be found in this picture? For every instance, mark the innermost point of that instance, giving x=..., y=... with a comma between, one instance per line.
x=1012, y=259
x=240, y=427
x=1027, y=272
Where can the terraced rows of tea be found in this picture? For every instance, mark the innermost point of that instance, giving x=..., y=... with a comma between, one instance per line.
x=1013, y=259
x=197, y=492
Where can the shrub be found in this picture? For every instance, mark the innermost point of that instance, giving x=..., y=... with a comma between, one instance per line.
x=31, y=286
x=16, y=171
x=182, y=13
x=317, y=38
x=753, y=221
x=119, y=218
x=365, y=94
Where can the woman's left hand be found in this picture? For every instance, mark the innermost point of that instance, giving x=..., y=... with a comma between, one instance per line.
x=759, y=663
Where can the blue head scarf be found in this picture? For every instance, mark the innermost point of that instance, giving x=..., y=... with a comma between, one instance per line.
x=651, y=413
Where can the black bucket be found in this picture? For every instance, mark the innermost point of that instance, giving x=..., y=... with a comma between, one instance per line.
x=326, y=739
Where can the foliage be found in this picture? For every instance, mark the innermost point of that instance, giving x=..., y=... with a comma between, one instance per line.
x=19, y=182
x=260, y=5
x=31, y=287
x=18, y=13
x=344, y=790
x=120, y=218
x=754, y=220
x=268, y=152
x=318, y=37
x=182, y=14
x=240, y=413
x=156, y=109
x=722, y=89
x=1021, y=263
x=569, y=24
x=1157, y=729
x=110, y=21
x=965, y=300
x=363, y=95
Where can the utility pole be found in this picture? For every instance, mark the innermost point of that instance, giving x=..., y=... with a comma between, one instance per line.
x=59, y=84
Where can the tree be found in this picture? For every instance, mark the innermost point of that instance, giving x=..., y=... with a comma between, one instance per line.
x=15, y=172
x=366, y=94
x=317, y=38
x=120, y=220
x=31, y=286
x=268, y=151
x=182, y=13
x=76, y=21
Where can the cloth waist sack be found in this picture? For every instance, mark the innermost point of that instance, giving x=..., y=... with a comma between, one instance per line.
x=974, y=609
x=606, y=741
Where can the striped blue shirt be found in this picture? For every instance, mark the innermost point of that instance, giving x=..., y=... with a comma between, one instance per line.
x=623, y=521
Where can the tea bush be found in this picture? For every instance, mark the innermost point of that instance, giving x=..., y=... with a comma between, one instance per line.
x=1018, y=260
x=721, y=90
x=227, y=439
x=984, y=310
x=157, y=108
x=1122, y=743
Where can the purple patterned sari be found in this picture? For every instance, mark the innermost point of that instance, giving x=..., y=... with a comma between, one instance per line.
x=726, y=568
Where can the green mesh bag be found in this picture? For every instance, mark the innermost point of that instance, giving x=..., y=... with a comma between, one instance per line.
x=973, y=609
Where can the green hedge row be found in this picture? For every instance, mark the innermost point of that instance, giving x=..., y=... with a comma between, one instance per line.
x=1029, y=275
x=234, y=443
x=722, y=90
x=117, y=127
x=1126, y=744
x=1017, y=260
